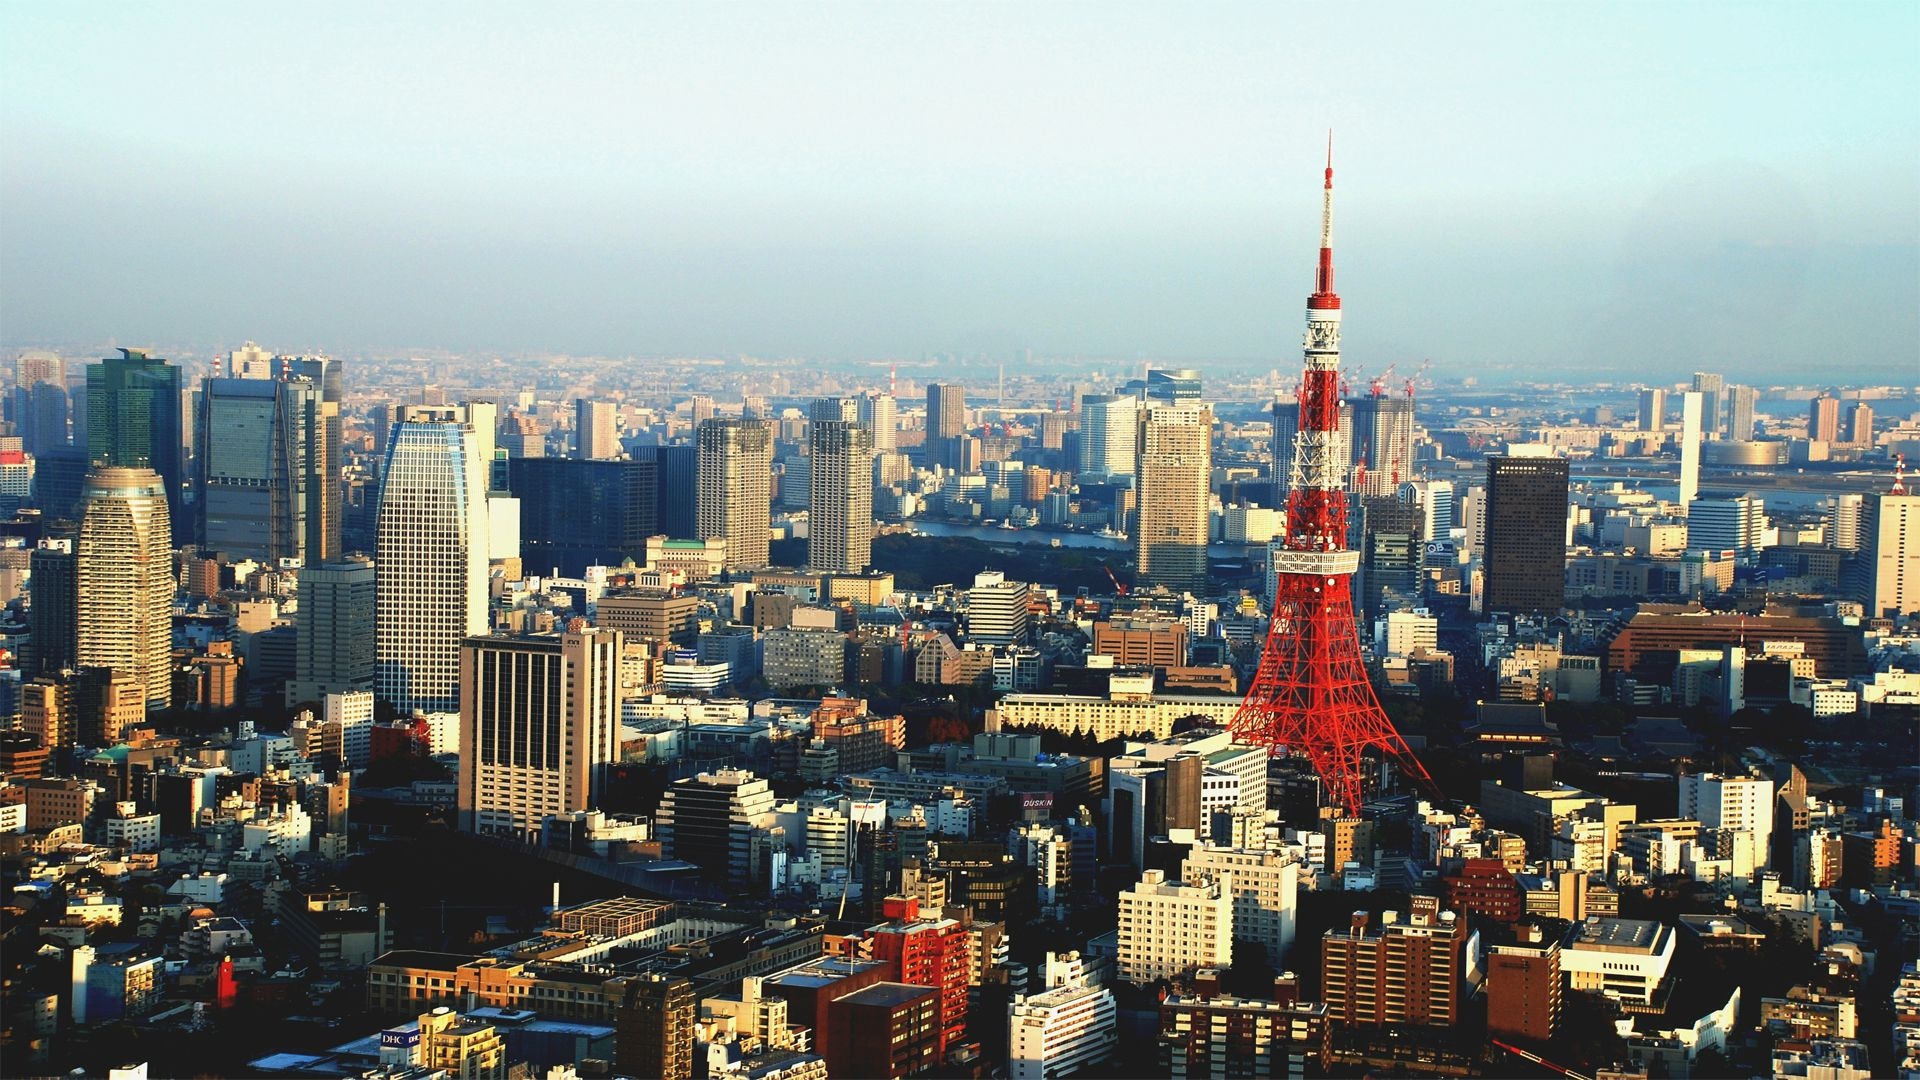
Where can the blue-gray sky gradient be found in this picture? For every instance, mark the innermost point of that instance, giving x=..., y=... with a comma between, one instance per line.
x=1618, y=189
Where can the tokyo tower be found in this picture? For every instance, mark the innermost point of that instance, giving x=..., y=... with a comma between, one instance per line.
x=1311, y=694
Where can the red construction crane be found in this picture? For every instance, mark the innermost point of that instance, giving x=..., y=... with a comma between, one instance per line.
x=1377, y=386
x=1118, y=589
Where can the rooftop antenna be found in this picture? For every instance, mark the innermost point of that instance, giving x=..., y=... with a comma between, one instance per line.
x=1899, y=475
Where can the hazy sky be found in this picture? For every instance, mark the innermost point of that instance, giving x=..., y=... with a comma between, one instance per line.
x=1620, y=190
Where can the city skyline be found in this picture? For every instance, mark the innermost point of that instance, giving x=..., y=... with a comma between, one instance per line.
x=1758, y=192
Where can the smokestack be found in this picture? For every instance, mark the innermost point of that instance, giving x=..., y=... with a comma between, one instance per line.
x=380, y=939
x=556, y=895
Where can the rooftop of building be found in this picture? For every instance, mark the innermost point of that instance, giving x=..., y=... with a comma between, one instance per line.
x=886, y=994
x=1617, y=935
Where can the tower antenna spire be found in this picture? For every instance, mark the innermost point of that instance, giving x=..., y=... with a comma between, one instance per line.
x=1323, y=294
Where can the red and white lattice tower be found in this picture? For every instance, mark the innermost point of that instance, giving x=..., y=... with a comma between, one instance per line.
x=1311, y=695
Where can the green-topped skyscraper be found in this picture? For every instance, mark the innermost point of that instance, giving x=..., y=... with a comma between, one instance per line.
x=133, y=418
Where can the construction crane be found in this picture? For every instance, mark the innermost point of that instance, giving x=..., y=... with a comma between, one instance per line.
x=1118, y=589
x=1536, y=1059
x=1377, y=386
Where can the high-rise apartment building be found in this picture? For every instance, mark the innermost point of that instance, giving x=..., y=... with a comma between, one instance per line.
x=1109, y=435
x=52, y=614
x=1405, y=970
x=1265, y=885
x=1384, y=425
x=655, y=1027
x=578, y=513
x=262, y=461
x=1741, y=401
x=881, y=415
x=1689, y=449
x=123, y=579
x=539, y=725
x=133, y=420
x=1209, y=1034
x=927, y=951
x=431, y=548
x=946, y=423
x=840, y=512
x=1168, y=929
x=1860, y=425
x=1846, y=517
x=594, y=436
x=1173, y=478
x=334, y=643
x=1894, y=531
x=1712, y=388
x=1653, y=409
x=736, y=482
x=1526, y=526
x=1823, y=419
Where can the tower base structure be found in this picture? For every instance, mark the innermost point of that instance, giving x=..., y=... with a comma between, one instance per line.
x=1311, y=695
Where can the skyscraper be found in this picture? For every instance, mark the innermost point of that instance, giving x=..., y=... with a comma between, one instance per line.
x=133, y=419
x=1173, y=477
x=51, y=616
x=736, y=482
x=578, y=513
x=261, y=459
x=1391, y=544
x=123, y=570
x=334, y=643
x=1109, y=435
x=946, y=422
x=431, y=546
x=677, y=480
x=326, y=507
x=40, y=408
x=1712, y=389
x=880, y=413
x=840, y=514
x=1894, y=532
x=1689, y=448
x=593, y=432
x=1653, y=409
x=539, y=724
x=1823, y=419
x=1384, y=425
x=1740, y=404
x=1526, y=552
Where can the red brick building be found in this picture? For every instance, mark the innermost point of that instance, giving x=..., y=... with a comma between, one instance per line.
x=1485, y=887
x=926, y=952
